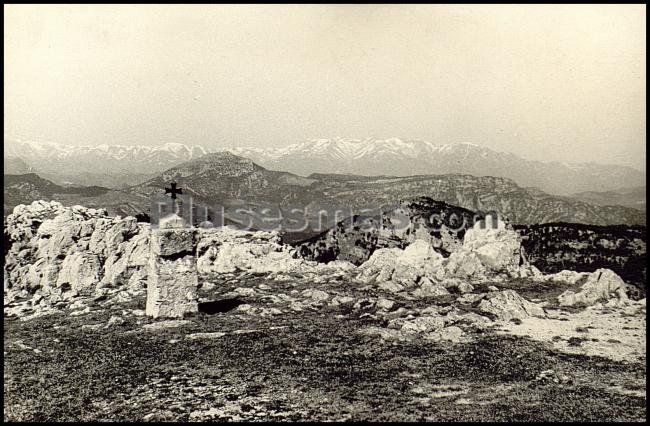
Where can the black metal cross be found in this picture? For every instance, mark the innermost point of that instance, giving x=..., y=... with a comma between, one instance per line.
x=173, y=190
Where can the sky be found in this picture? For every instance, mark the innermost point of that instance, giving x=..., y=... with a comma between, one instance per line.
x=546, y=82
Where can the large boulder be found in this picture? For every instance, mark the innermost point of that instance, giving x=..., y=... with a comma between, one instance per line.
x=380, y=265
x=489, y=249
x=464, y=264
x=507, y=305
x=601, y=285
x=420, y=254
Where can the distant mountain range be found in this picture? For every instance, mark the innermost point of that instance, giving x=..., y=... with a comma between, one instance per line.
x=118, y=166
x=106, y=165
x=225, y=179
x=398, y=157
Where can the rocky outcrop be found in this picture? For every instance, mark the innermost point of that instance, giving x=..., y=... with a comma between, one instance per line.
x=62, y=252
x=488, y=251
x=355, y=238
x=72, y=250
x=601, y=286
x=57, y=253
x=225, y=250
x=80, y=271
x=404, y=267
x=488, y=248
x=464, y=264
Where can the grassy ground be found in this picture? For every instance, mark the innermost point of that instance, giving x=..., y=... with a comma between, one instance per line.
x=310, y=365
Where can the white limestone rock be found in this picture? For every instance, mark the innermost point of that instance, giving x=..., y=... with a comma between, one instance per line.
x=81, y=272
x=507, y=305
x=56, y=246
x=224, y=250
x=565, y=276
x=497, y=248
x=403, y=267
x=429, y=288
x=601, y=285
x=464, y=264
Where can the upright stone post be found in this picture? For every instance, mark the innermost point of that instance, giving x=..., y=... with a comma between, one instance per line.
x=173, y=278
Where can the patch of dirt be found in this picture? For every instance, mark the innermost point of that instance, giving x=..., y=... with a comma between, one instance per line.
x=612, y=334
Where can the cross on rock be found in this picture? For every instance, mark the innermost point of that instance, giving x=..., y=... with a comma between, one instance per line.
x=173, y=190
x=174, y=219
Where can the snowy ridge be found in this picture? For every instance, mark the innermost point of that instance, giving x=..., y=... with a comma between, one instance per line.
x=398, y=157
x=348, y=148
x=370, y=157
x=54, y=150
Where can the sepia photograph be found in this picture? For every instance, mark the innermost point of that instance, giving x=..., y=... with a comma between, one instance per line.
x=324, y=212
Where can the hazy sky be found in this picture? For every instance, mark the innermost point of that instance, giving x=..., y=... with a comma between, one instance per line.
x=545, y=82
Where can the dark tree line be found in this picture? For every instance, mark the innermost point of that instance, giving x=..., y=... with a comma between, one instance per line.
x=555, y=246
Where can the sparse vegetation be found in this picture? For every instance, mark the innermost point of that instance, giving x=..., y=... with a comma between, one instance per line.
x=309, y=365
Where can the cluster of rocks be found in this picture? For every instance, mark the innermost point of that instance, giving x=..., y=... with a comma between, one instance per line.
x=603, y=286
x=434, y=323
x=450, y=322
x=487, y=253
x=225, y=250
x=58, y=253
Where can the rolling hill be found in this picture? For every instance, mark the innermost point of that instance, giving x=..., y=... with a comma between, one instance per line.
x=26, y=188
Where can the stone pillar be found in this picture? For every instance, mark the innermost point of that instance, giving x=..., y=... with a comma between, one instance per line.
x=173, y=279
